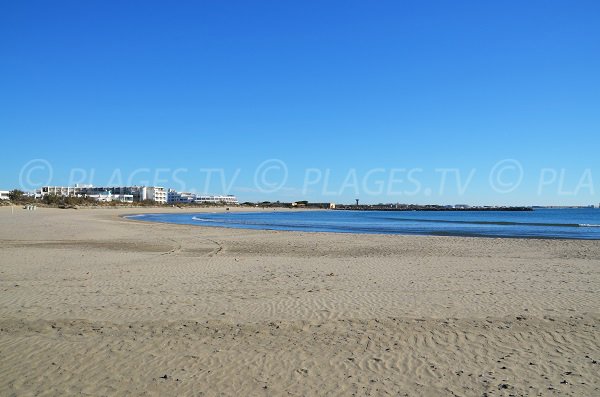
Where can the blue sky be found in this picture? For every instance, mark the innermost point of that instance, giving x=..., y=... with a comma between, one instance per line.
x=361, y=92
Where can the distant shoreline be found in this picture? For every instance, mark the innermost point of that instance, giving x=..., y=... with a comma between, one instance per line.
x=427, y=208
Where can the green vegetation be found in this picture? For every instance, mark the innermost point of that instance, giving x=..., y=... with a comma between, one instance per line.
x=17, y=196
x=67, y=201
x=146, y=203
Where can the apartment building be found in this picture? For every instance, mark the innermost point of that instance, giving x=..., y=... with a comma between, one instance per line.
x=120, y=193
x=174, y=197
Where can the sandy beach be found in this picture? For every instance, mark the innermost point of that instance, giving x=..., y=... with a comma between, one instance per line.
x=94, y=304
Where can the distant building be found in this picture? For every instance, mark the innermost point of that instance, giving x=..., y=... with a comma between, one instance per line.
x=113, y=193
x=108, y=197
x=4, y=195
x=175, y=197
x=463, y=206
x=229, y=199
x=156, y=194
x=64, y=191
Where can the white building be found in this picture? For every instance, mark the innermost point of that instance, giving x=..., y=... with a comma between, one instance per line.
x=59, y=191
x=229, y=199
x=107, y=197
x=4, y=195
x=123, y=198
x=119, y=193
x=154, y=193
x=174, y=197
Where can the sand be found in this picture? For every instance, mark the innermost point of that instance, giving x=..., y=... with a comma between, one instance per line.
x=93, y=304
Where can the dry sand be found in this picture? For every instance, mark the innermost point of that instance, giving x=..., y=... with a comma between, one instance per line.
x=92, y=304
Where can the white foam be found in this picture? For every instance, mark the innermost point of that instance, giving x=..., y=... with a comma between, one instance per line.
x=202, y=219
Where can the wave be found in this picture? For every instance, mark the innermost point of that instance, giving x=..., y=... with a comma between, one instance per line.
x=205, y=219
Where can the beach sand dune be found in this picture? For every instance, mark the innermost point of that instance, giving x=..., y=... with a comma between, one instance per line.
x=94, y=304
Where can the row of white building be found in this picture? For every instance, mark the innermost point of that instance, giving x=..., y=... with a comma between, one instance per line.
x=130, y=194
x=125, y=194
x=175, y=197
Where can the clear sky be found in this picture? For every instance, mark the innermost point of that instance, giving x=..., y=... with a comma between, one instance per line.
x=387, y=101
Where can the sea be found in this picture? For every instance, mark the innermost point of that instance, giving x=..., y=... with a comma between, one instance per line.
x=575, y=223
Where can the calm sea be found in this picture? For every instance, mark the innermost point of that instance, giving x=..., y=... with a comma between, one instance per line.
x=540, y=223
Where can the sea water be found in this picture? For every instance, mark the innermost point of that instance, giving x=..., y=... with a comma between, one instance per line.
x=577, y=223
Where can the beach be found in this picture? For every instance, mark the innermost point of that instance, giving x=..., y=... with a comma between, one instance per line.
x=95, y=304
